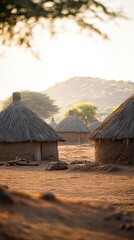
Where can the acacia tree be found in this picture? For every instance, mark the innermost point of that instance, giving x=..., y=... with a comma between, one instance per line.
x=86, y=111
x=19, y=17
x=40, y=103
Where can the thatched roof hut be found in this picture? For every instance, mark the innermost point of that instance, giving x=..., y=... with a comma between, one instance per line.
x=53, y=124
x=114, y=138
x=23, y=134
x=73, y=129
x=95, y=123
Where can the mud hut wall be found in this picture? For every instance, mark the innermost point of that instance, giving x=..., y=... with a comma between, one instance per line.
x=115, y=152
x=50, y=151
x=9, y=151
x=75, y=138
x=37, y=151
x=84, y=138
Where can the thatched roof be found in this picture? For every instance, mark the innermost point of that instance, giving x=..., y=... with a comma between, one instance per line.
x=72, y=123
x=19, y=124
x=95, y=123
x=53, y=124
x=118, y=125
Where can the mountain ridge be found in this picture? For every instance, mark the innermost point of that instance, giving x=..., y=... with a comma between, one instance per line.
x=105, y=94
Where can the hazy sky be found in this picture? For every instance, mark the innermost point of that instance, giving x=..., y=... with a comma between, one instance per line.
x=70, y=54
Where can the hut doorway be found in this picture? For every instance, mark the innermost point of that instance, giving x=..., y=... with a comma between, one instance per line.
x=37, y=152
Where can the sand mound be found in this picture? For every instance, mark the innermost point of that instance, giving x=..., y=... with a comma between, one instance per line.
x=94, y=167
x=45, y=217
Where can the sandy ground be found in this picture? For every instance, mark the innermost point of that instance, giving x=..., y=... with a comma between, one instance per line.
x=103, y=187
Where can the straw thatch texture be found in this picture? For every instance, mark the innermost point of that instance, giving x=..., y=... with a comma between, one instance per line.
x=23, y=134
x=119, y=125
x=72, y=124
x=19, y=124
x=114, y=138
x=73, y=130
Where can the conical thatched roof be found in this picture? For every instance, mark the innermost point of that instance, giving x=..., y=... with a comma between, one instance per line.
x=53, y=124
x=19, y=124
x=94, y=125
x=72, y=123
x=119, y=125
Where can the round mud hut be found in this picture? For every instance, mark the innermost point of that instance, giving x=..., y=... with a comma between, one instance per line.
x=73, y=130
x=23, y=134
x=114, y=138
x=95, y=123
x=53, y=124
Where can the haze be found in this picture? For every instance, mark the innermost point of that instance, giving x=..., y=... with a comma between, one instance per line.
x=71, y=54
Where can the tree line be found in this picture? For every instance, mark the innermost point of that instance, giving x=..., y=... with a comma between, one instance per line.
x=45, y=107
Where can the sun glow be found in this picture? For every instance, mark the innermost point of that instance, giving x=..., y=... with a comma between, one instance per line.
x=70, y=54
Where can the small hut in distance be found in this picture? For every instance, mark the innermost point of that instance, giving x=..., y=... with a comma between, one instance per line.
x=53, y=124
x=94, y=124
x=73, y=129
x=114, y=138
x=23, y=134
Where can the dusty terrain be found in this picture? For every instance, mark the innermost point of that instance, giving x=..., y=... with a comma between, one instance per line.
x=92, y=190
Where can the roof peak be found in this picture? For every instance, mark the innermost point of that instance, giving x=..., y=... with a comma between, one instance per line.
x=71, y=113
x=16, y=96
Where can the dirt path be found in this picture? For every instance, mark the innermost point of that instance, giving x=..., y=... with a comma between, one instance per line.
x=115, y=188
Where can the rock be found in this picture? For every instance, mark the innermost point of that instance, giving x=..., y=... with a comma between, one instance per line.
x=48, y=197
x=56, y=166
x=80, y=162
x=5, y=196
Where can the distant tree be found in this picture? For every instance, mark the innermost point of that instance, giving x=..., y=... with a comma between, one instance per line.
x=101, y=116
x=40, y=103
x=86, y=111
x=19, y=17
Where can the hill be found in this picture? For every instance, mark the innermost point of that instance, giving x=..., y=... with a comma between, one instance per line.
x=105, y=94
x=1, y=103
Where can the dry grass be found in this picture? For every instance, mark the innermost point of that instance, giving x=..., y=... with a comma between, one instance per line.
x=116, y=187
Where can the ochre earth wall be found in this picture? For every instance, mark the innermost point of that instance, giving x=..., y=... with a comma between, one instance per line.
x=34, y=151
x=50, y=151
x=9, y=151
x=116, y=152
